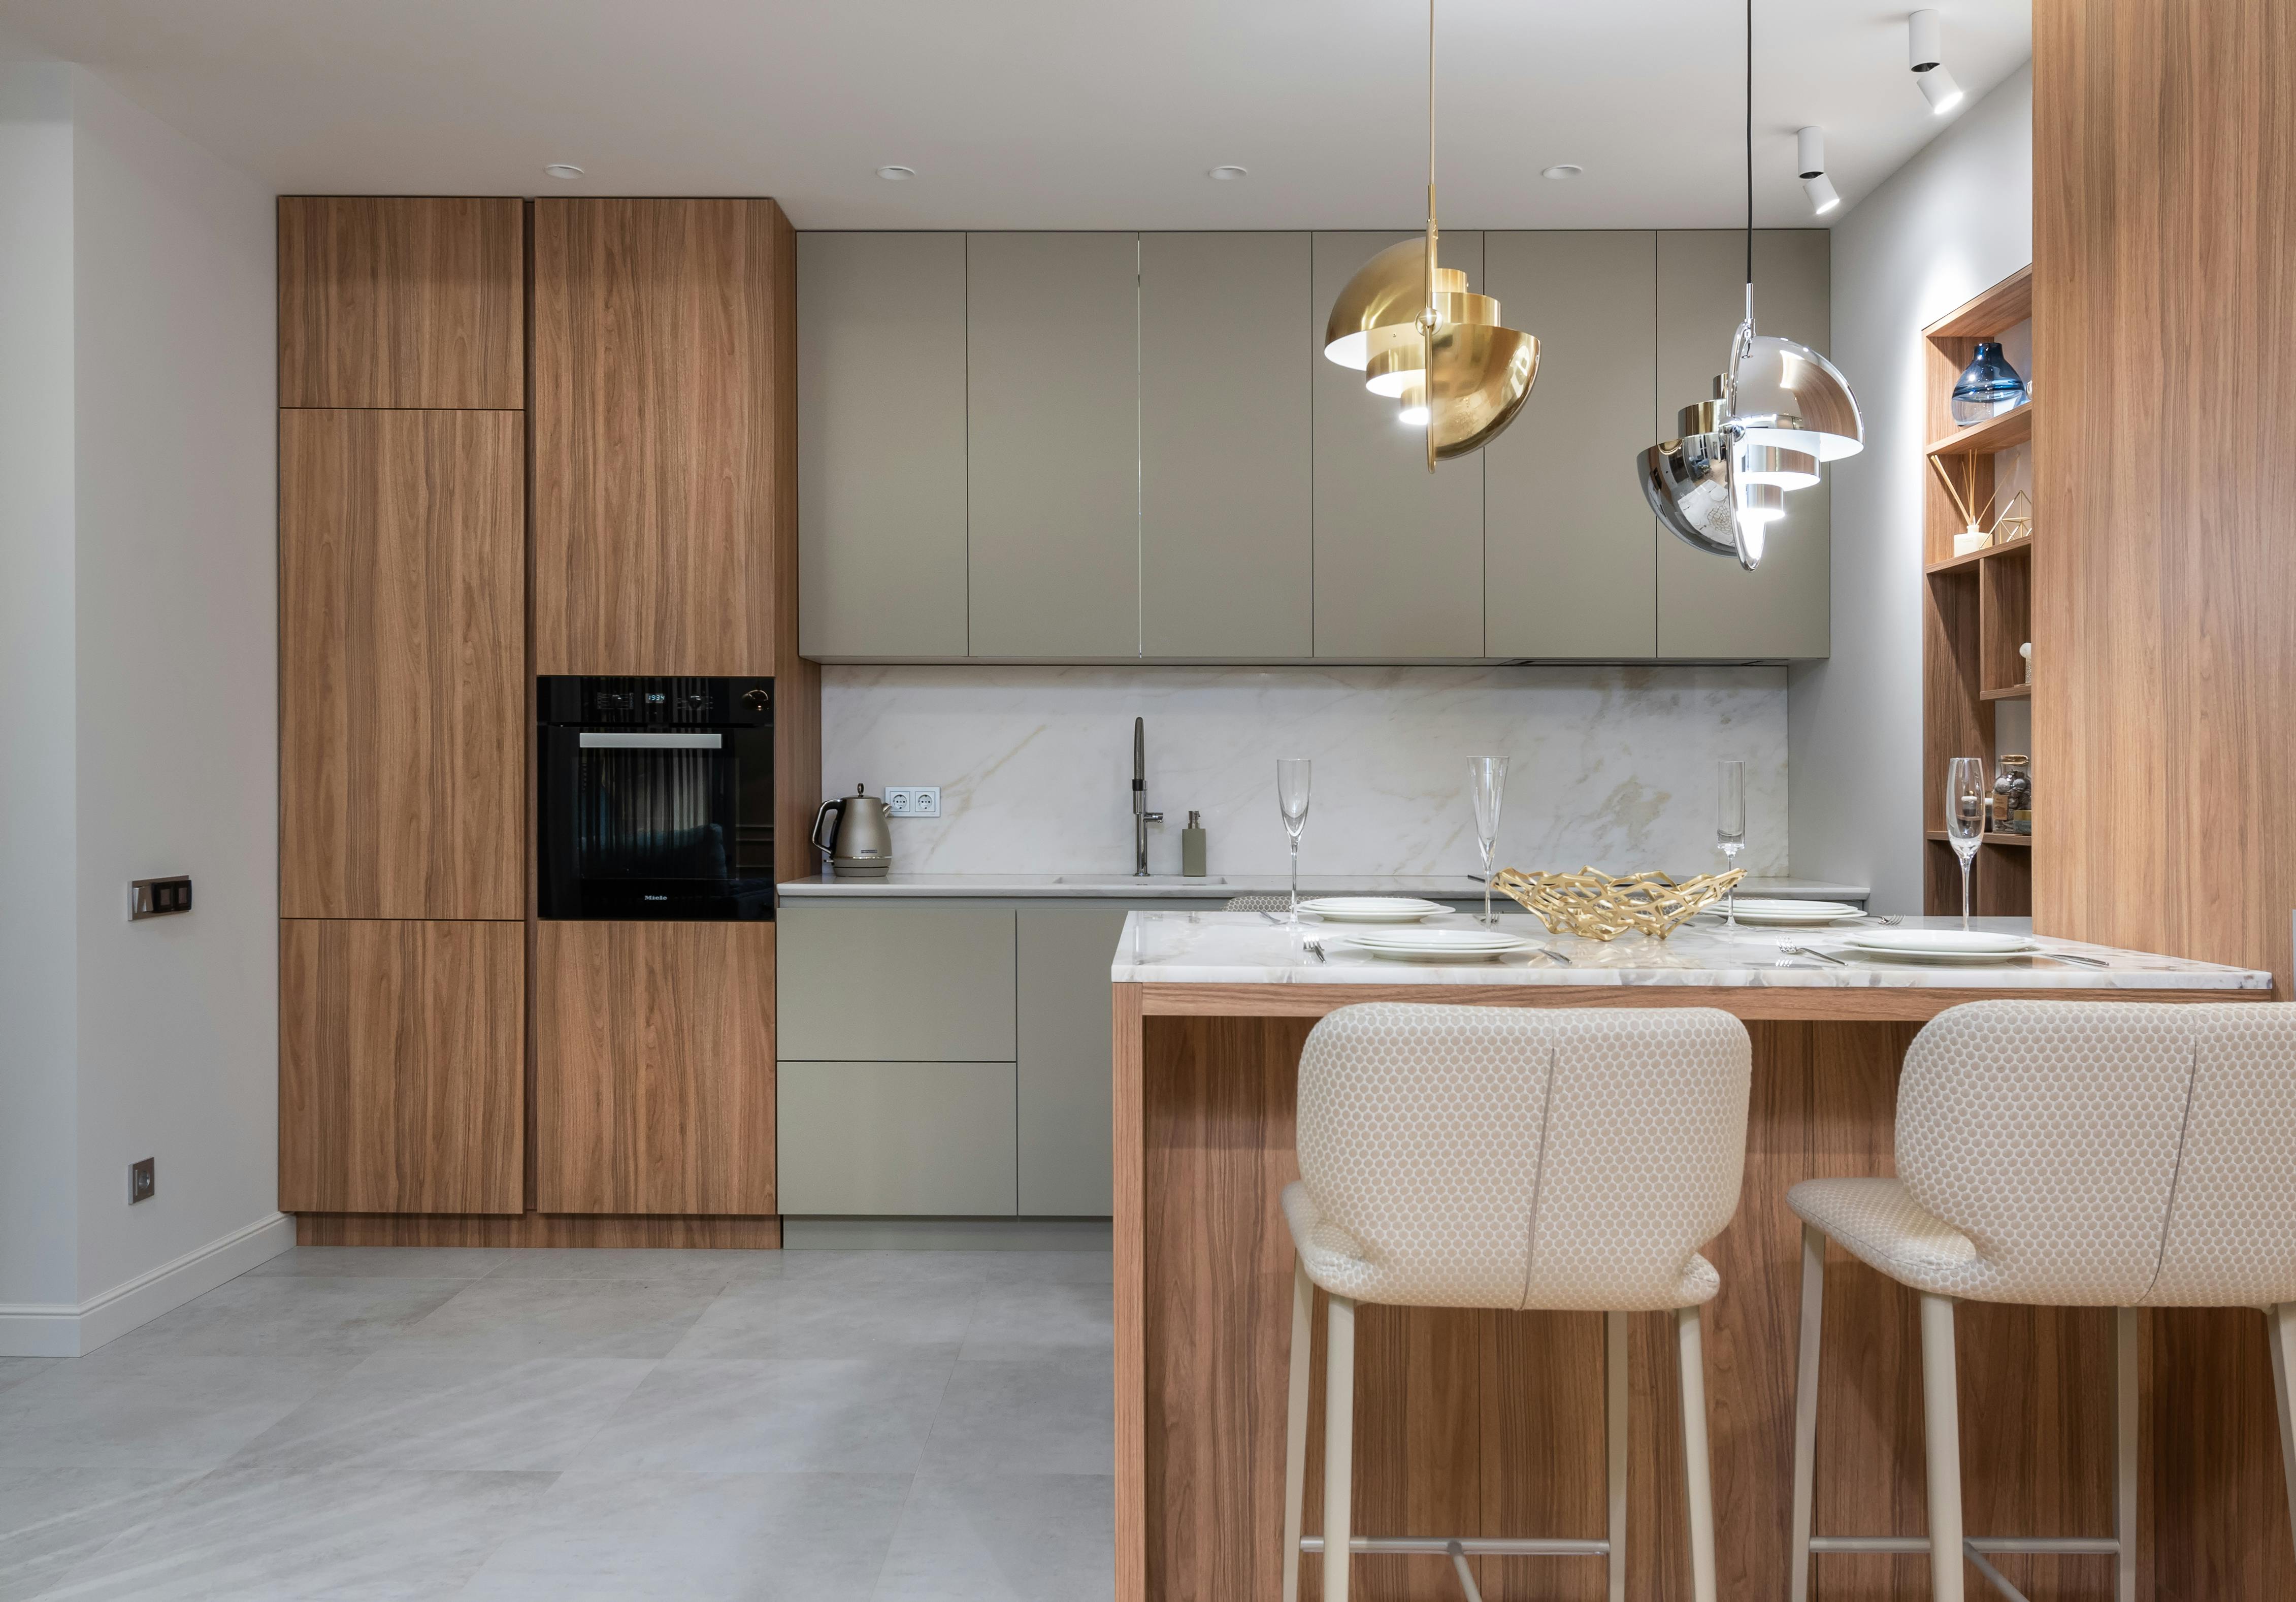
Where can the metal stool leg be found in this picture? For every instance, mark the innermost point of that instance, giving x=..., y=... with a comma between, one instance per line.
x=1940, y=1401
x=1339, y=1442
x=1295, y=1426
x=1698, y=1468
x=2282, y=1328
x=2124, y=1457
x=1614, y=1427
x=1805, y=1462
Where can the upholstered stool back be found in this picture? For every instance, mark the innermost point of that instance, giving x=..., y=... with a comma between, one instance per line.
x=1506, y=1157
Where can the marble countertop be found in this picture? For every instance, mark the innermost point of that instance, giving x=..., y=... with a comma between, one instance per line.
x=1454, y=887
x=1242, y=948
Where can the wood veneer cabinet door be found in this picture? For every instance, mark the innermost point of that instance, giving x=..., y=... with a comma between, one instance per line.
x=663, y=369
x=397, y=301
x=1570, y=549
x=401, y=1066
x=402, y=597
x=1709, y=608
x=654, y=1068
x=1398, y=550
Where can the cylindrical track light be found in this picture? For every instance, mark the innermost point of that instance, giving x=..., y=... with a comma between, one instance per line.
x=1809, y=161
x=1926, y=56
x=1939, y=90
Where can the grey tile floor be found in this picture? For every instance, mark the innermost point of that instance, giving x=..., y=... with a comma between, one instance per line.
x=386, y=1424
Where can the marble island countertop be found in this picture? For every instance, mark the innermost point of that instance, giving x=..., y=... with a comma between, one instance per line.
x=1219, y=887
x=1242, y=948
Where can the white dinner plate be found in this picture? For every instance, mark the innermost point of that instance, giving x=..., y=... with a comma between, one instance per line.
x=1779, y=911
x=1372, y=909
x=1942, y=945
x=1438, y=945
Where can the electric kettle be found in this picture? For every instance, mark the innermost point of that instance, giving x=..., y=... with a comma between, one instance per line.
x=861, y=844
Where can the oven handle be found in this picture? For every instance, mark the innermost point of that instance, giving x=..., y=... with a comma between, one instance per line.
x=591, y=740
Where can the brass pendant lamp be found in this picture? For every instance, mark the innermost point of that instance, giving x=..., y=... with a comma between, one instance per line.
x=1778, y=410
x=1412, y=327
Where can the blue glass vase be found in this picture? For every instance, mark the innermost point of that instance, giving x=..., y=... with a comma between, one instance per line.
x=1987, y=387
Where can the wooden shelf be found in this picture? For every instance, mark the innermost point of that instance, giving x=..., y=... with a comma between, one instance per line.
x=1995, y=311
x=1990, y=837
x=1983, y=439
x=2015, y=692
x=2014, y=547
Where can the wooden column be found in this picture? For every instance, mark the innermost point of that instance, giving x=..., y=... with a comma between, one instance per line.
x=2164, y=132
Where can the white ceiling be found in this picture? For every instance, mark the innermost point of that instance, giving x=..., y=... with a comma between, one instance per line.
x=1046, y=113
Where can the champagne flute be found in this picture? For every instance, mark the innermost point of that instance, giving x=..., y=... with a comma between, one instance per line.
x=1730, y=824
x=1291, y=778
x=1966, y=792
x=1487, y=781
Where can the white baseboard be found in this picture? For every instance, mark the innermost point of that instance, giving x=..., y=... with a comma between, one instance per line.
x=58, y=1329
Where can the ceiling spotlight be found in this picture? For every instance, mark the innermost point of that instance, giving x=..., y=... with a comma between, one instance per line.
x=1561, y=170
x=563, y=169
x=1925, y=55
x=895, y=175
x=1226, y=175
x=1809, y=153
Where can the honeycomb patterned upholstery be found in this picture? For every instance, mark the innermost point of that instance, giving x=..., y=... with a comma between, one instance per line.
x=2086, y=1153
x=1469, y=1156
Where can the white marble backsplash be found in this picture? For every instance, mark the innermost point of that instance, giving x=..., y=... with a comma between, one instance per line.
x=1612, y=766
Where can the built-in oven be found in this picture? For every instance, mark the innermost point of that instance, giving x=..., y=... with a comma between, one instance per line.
x=655, y=798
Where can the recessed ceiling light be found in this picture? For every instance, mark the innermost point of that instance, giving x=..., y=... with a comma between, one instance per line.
x=894, y=175
x=563, y=169
x=1227, y=175
x=1564, y=169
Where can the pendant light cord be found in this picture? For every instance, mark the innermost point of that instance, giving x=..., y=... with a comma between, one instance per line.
x=1749, y=155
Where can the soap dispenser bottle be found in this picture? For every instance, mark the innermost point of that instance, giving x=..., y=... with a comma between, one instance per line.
x=1191, y=848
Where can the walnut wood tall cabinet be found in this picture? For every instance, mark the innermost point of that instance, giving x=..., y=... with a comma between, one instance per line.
x=518, y=438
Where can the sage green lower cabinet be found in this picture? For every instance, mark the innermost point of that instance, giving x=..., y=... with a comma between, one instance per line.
x=857, y=983
x=1709, y=608
x=896, y=1137
x=1067, y=1067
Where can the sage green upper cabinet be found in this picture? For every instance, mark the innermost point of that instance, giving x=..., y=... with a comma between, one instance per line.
x=880, y=444
x=1398, y=550
x=1226, y=448
x=1708, y=607
x=1053, y=411
x=1570, y=546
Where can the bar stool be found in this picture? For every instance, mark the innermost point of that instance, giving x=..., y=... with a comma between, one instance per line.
x=1511, y=1158
x=2066, y=1153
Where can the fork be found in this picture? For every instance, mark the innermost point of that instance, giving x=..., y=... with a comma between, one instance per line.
x=1786, y=948
x=1315, y=946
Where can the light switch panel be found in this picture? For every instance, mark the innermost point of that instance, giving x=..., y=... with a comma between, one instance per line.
x=159, y=897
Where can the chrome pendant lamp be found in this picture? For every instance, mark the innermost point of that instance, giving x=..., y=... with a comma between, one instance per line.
x=1419, y=338
x=1778, y=410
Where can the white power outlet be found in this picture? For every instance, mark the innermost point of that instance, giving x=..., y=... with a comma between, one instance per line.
x=913, y=800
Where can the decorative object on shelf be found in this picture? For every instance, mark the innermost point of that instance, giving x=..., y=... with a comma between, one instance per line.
x=2013, y=796
x=1970, y=537
x=1780, y=409
x=2014, y=525
x=2025, y=651
x=1410, y=325
x=1591, y=904
x=1987, y=387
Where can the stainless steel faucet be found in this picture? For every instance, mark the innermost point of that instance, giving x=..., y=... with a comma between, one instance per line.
x=1140, y=817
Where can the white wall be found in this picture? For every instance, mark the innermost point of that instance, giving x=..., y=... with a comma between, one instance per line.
x=145, y=571
x=1953, y=220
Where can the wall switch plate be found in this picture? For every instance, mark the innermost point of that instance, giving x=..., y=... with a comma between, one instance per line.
x=142, y=1181
x=913, y=800
x=159, y=897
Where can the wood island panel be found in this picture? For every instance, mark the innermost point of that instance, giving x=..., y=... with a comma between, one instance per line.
x=393, y=300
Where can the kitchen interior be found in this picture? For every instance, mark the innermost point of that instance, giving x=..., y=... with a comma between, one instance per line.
x=914, y=806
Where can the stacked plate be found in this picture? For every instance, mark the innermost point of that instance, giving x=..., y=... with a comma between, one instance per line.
x=1438, y=945
x=1941, y=945
x=1372, y=909
x=1780, y=913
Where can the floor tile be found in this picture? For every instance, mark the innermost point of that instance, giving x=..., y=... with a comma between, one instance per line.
x=1073, y=1268
x=942, y=1268
x=13, y=1369
x=396, y=1263
x=600, y=1537
x=129, y=1407
x=292, y=1314
x=346, y=1535
x=689, y=1271
x=780, y=1415
x=833, y=1317
x=1003, y=1537
x=503, y=1318
x=1054, y=1415
x=53, y=1519
x=1022, y=1322
x=399, y=1411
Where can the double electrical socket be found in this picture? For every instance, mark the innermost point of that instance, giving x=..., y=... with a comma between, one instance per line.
x=913, y=800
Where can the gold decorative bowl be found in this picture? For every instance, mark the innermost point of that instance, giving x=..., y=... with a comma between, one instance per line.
x=1593, y=904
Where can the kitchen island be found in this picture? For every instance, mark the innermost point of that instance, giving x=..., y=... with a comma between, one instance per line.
x=1470, y=1422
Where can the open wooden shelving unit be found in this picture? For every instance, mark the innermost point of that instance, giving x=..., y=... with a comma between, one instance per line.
x=1977, y=610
